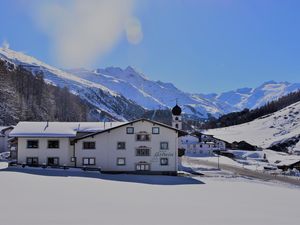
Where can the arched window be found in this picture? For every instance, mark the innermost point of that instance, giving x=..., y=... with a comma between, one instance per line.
x=176, y=125
x=176, y=118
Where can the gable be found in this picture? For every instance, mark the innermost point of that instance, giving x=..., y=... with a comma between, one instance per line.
x=135, y=123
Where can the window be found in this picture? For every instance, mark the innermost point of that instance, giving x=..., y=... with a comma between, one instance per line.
x=88, y=161
x=32, y=144
x=53, y=144
x=164, y=145
x=89, y=145
x=176, y=126
x=143, y=137
x=32, y=161
x=164, y=161
x=53, y=161
x=129, y=130
x=121, y=145
x=142, y=152
x=176, y=118
x=142, y=166
x=121, y=161
x=155, y=130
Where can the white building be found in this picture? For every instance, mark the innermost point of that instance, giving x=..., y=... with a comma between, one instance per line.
x=138, y=146
x=200, y=144
x=4, y=136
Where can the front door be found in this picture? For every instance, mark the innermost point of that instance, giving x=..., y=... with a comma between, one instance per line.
x=142, y=166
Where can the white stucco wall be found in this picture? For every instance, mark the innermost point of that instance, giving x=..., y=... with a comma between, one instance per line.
x=106, y=152
x=63, y=152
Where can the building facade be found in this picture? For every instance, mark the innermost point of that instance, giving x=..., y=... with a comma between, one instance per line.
x=141, y=146
x=201, y=145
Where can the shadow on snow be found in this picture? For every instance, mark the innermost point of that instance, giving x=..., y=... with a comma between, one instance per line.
x=132, y=178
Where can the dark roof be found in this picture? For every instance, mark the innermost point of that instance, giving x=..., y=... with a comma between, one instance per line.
x=180, y=132
x=176, y=111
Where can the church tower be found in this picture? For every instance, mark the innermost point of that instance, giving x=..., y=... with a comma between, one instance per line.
x=176, y=117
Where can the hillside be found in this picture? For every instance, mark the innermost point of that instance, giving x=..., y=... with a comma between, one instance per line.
x=24, y=96
x=108, y=103
x=247, y=115
x=126, y=93
x=282, y=127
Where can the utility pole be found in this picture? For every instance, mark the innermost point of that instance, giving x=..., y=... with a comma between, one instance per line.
x=219, y=161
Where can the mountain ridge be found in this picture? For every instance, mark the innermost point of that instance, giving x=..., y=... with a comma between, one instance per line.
x=127, y=93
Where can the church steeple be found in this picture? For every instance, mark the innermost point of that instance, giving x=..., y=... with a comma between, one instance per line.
x=176, y=117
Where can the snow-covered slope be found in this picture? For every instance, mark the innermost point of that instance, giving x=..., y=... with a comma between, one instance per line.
x=156, y=94
x=252, y=98
x=151, y=94
x=266, y=131
x=118, y=91
x=104, y=99
x=125, y=93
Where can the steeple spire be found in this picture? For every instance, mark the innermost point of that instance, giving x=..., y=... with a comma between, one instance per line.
x=176, y=116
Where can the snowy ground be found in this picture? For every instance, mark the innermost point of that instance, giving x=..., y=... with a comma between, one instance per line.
x=36, y=196
x=265, y=161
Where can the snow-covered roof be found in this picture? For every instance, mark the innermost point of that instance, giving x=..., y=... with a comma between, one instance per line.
x=4, y=127
x=59, y=129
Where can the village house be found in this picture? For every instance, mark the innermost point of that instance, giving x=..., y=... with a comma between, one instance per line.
x=140, y=146
x=201, y=144
x=288, y=164
x=4, y=136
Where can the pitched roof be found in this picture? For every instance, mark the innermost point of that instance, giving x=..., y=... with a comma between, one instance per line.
x=3, y=129
x=70, y=129
x=180, y=132
x=59, y=129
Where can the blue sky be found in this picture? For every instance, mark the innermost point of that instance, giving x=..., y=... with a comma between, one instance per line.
x=201, y=46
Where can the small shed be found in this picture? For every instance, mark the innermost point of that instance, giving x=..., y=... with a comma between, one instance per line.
x=289, y=164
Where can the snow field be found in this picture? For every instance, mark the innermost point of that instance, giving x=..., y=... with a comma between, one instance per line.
x=53, y=197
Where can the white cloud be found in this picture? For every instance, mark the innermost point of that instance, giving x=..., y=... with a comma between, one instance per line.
x=82, y=31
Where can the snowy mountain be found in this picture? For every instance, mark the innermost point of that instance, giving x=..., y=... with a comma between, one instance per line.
x=281, y=129
x=123, y=94
x=126, y=93
x=107, y=102
x=252, y=98
x=151, y=94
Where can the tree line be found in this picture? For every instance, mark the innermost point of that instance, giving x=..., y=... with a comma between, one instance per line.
x=26, y=96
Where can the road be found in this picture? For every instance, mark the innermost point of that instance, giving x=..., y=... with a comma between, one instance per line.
x=243, y=171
